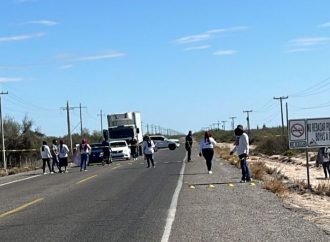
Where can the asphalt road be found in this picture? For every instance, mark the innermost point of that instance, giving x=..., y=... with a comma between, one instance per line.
x=128, y=202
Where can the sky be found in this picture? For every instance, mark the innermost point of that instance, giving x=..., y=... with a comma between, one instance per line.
x=185, y=65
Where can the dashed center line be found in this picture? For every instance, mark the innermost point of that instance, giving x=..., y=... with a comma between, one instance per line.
x=86, y=179
x=16, y=210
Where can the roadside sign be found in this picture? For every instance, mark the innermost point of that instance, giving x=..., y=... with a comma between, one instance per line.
x=318, y=132
x=309, y=133
x=297, y=134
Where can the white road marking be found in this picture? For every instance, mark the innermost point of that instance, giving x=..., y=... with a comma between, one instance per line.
x=174, y=202
x=27, y=178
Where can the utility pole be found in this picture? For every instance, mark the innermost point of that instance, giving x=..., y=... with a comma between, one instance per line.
x=281, y=99
x=224, y=124
x=81, y=126
x=3, y=136
x=232, y=122
x=101, y=116
x=248, y=119
x=67, y=108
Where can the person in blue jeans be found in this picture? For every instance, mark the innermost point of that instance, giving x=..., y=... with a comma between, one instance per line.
x=242, y=149
x=84, y=149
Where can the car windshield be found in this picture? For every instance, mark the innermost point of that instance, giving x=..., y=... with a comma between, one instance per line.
x=121, y=133
x=118, y=144
x=95, y=146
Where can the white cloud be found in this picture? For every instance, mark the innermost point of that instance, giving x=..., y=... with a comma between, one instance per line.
x=201, y=47
x=298, y=50
x=225, y=52
x=107, y=55
x=99, y=57
x=66, y=67
x=21, y=37
x=236, y=28
x=193, y=38
x=42, y=22
x=325, y=25
x=10, y=79
x=310, y=41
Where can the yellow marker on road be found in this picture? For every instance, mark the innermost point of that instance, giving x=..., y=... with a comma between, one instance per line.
x=192, y=187
x=230, y=185
x=16, y=210
x=211, y=186
x=86, y=179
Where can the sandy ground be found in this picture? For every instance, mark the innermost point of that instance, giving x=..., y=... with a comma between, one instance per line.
x=296, y=169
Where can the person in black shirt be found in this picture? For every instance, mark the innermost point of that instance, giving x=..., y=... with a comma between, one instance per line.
x=188, y=144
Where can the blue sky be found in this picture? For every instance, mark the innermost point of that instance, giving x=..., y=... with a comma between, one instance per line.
x=183, y=64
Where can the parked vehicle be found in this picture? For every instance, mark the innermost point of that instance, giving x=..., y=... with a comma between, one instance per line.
x=120, y=149
x=125, y=126
x=97, y=152
x=163, y=142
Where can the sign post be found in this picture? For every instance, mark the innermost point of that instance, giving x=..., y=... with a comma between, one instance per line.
x=309, y=133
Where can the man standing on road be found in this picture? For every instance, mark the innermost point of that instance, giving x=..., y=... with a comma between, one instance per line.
x=54, y=152
x=242, y=150
x=188, y=144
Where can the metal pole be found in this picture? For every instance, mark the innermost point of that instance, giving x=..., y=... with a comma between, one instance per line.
x=307, y=165
x=69, y=129
x=101, y=121
x=3, y=140
x=81, y=128
x=287, y=116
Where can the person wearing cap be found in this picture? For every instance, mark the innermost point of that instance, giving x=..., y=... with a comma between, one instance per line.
x=206, y=149
x=242, y=150
x=188, y=144
x=84, y=149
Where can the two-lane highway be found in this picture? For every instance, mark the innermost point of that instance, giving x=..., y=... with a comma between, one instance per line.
x=122, y=202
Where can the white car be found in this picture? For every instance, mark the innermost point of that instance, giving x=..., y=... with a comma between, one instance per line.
x=163, y=142
x=120, y=149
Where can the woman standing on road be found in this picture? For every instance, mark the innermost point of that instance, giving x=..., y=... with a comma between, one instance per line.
x=206, y=149
x=45, y=155
x=84, y=149
x=63, y=156
x=148, y=150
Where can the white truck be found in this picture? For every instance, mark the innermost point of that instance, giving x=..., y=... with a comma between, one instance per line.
x=125, y=126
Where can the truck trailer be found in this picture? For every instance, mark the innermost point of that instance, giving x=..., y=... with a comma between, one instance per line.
x=125, y=126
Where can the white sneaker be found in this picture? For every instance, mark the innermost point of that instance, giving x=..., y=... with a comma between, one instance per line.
x=210, y=172
x=45, y=173
x=85, y=170
x=52, y=172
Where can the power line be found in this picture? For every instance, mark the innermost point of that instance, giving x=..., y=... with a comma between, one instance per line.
x=281, y=100
x=248, y=119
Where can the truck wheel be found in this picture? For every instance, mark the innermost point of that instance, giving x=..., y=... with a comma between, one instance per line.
x=172, y=146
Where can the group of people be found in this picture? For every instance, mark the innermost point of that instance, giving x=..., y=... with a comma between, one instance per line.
x=58, y=153
x=207, y=144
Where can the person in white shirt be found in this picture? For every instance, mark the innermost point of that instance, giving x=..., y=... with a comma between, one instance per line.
x=54, y=152
x=45, y=155
x=242, y=149
x=149, y=150
x=63, y=156
x=206, y=149
x=84, y=149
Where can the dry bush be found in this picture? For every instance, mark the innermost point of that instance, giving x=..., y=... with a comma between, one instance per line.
x=322, y=189
x=258, y=170
x=299, y=186
x=276, y=186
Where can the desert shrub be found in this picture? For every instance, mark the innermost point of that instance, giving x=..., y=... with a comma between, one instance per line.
x=276, y=186
x=322, y=189
x=258, y=170
x=273, y=145
x=299, y=186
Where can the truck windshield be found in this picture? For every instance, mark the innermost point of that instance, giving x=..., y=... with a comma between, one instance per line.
x=121, y=133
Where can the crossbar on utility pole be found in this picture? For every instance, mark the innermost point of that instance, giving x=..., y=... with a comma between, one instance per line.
x=281, y=100
x=224, y=124
x=3, y=135
x=248, y=119
x=232, y=122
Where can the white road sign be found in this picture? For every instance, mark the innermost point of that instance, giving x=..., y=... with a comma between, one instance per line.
x=297, y=134
x=309, y=133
